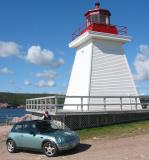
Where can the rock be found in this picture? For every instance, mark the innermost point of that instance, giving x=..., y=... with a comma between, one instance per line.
x=23, y=118
x=4, y=105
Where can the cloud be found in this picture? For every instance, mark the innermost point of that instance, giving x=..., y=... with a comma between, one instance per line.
x=45, y=57
x=27, y=83
x=58, y=63
x=9, y=49
x=39, y=56
x=43, y=83
x=46, y=74
x=5, y=70
x=35, y=54
x=141, y=63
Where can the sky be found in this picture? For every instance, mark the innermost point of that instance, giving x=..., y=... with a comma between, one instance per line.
x=34, y=38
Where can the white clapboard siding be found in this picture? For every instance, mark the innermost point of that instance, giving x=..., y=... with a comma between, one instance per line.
x=80, y=76
x=110, y=74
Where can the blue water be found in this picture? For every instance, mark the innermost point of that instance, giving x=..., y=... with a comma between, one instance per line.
x=6, y=114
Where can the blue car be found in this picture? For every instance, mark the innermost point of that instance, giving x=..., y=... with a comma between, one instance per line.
x=41, y=136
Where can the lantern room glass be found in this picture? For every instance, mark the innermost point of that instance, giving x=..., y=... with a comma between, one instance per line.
x=98, y=19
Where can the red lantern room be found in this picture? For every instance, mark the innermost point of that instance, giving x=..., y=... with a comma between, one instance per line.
x=98, y=20
x=97, y=16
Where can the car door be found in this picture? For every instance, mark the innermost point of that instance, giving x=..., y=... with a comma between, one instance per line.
x=17, y=132
x=31, y=138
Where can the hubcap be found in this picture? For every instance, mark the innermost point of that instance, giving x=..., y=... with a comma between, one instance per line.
x=10, y=146
x=49, y=149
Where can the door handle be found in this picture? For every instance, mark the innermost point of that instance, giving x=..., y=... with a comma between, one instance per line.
x=41, y=137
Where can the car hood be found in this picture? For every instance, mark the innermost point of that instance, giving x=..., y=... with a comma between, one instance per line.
x=65, y=135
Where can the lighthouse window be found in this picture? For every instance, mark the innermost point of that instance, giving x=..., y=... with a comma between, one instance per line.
x=102, y=19
x=95, y=18
x=88, y=21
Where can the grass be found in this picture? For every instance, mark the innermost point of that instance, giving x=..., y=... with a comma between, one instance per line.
x=114, y=131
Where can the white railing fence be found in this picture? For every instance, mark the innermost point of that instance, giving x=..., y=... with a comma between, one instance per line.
x=56, y=104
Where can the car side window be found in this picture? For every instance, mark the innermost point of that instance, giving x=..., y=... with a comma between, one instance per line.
x=28, y=128
x=17, y=128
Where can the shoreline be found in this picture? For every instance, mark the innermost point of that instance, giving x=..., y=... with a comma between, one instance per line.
x=13, y=115
x=17, y=107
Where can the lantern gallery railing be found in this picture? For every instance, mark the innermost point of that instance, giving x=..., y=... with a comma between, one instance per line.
x=58, y=104
x=120, y=30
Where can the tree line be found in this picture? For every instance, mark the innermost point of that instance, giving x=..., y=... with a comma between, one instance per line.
x=17, y=99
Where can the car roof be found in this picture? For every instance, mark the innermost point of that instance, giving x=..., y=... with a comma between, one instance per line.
x=30, y=121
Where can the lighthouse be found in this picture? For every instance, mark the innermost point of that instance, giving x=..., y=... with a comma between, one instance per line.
x=100, y=66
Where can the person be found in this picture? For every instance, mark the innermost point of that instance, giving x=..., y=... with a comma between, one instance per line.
x=46, y=116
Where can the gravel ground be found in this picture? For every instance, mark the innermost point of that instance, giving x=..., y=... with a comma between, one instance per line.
x=130, y=148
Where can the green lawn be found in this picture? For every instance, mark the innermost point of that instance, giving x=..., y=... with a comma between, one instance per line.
x=119, y=130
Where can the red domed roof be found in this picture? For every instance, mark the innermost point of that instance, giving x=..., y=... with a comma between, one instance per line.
x=102, y=11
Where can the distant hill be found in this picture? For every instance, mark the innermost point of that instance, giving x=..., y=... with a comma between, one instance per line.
x=17, y=99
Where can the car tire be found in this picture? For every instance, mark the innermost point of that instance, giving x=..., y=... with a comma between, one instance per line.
x=49, y=149
x=11, y=146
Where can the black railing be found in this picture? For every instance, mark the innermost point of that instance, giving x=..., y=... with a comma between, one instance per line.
x=122, y=30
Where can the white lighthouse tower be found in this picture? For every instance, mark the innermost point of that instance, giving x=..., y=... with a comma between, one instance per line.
x=100, y=67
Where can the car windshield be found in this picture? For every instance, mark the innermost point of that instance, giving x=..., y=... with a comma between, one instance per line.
x=44, y=126
x=59, y=125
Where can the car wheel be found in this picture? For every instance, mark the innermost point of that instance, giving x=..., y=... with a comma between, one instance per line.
x=49, y=149
x=11, y=146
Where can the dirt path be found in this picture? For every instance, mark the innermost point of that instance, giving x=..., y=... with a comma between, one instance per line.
x=130, y=148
